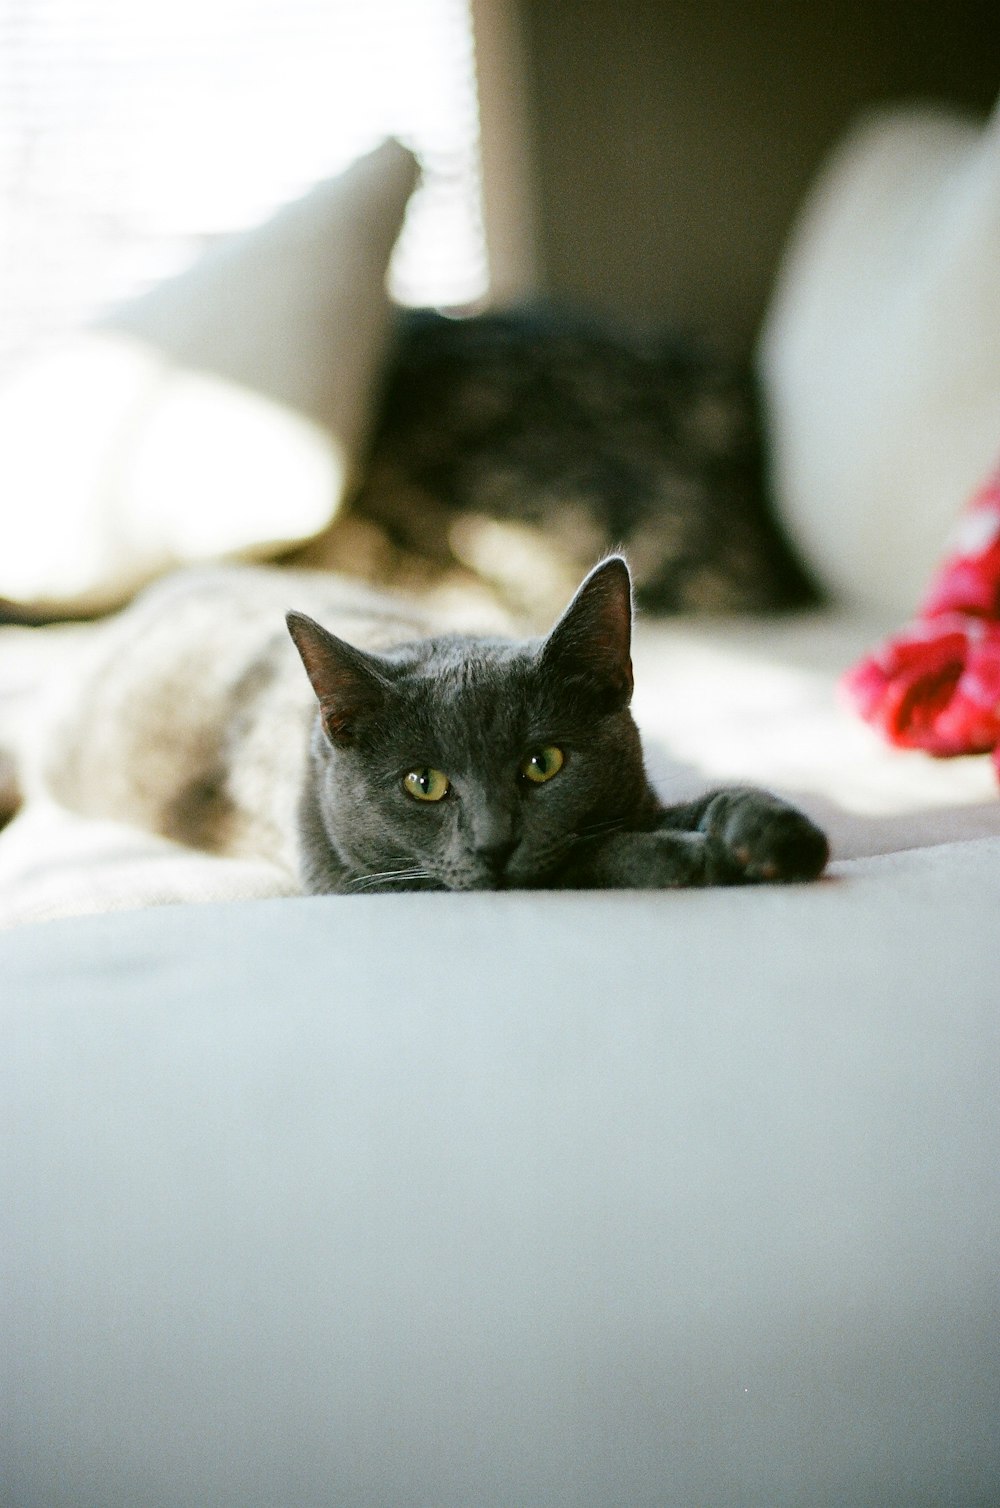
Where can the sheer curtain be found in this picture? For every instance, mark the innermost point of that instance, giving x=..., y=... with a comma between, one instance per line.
x=133, y=133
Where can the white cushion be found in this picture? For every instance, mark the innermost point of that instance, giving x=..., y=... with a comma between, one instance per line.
x=880, y=355
x=221, y=413
x=487, y=1199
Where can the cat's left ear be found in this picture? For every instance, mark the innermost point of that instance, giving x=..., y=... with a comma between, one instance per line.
x=591, y=643
x=348, y=683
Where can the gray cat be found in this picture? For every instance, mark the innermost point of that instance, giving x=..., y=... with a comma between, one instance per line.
x=416, y=762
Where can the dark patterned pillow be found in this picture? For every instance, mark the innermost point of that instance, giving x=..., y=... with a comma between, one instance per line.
x=523, y=445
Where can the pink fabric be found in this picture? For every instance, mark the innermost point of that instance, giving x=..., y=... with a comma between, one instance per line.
x=936, y=684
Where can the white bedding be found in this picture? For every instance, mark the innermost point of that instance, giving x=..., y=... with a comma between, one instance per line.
x=562, y=1200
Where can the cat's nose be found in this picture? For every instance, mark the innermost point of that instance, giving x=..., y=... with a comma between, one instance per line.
x=495, y=856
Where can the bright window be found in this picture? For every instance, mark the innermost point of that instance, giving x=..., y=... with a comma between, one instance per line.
x=132, y=133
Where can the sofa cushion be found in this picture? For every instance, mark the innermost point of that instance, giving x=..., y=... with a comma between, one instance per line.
x=562, y=1200
x=880, y=355
x=221, y=413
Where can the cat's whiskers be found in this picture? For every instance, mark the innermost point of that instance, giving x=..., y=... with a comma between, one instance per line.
x=366, y=881
x=599, y=829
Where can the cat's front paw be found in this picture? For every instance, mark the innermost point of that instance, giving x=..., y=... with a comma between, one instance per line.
x=765, y=838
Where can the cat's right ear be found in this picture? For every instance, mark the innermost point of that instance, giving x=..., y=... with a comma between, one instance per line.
x=349, y=685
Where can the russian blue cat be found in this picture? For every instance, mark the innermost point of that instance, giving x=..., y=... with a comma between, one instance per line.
x=402, y=759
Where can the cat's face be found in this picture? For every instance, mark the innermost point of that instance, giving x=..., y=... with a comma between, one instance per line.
x=471, y=764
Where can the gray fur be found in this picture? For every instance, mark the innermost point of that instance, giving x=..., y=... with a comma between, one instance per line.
x=195, y=719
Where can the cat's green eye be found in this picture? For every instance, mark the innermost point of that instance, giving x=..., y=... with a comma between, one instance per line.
x=426, y=784
x=542, y=764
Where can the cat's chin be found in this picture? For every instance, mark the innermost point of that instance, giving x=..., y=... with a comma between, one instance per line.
x=463, y=884
x=499, y=882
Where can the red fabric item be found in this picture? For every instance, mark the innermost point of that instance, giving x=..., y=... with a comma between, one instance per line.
x=936, y=684
x=969, y=579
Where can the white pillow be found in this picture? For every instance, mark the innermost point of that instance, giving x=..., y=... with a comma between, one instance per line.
x=880, y=355
x=219, y=414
